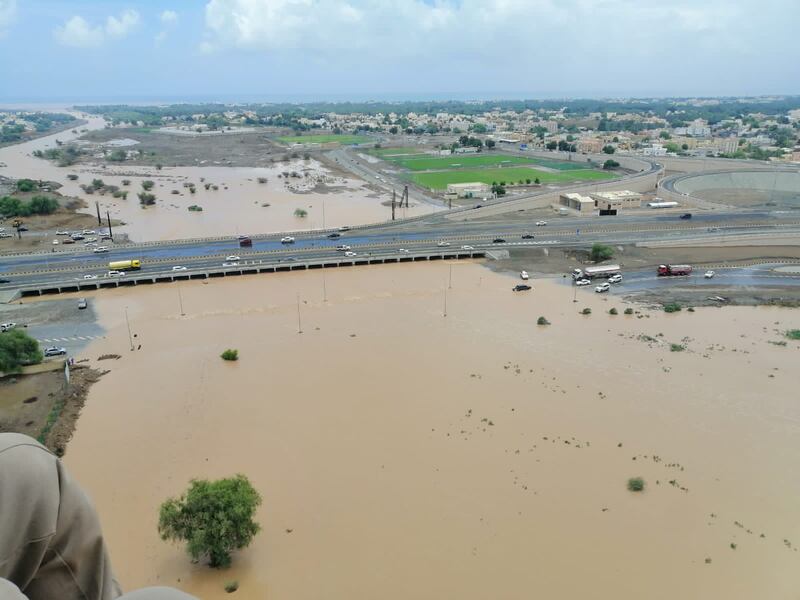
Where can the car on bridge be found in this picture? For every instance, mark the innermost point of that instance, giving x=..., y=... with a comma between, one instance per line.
x=343, y=248
x=178, y=268
x=54, y=351
x=467, y=248
x=541, y=223
x=100, y=249
x=350, y=254
x=498, y=241
x=403, y=251
x=232, y=258
x=709, y=274
x=90, y=276
x=334, y=235
x=442, y=244
x=113, y=273
x=287, y=240
x=230, y=264
x=686, y=216
x=527, y=236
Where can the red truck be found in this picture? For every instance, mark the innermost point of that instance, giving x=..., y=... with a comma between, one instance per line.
x=667, y=270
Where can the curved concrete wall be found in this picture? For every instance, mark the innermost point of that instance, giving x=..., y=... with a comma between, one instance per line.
x=782, y=181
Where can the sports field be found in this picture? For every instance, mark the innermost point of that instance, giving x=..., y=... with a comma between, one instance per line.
x=395, y=154
x=324, y=139
x=439, y=180
x=458, y=162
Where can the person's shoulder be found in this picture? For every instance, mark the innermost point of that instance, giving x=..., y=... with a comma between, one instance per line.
x=9, y=441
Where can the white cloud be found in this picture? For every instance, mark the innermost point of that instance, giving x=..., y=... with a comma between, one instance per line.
x=8, y=10
x=169, y=17
x=119, y=27
x=77, y=31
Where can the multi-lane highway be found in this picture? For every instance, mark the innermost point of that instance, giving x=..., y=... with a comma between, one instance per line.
x=391, y=239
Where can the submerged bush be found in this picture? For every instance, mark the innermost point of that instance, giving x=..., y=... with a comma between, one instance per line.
x=230, y=354
x=672, y=307
x=635, y=484
x=542, y=321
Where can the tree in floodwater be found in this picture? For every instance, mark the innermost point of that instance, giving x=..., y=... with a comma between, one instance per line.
x=214, y=518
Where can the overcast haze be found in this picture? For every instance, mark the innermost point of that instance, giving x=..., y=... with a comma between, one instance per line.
x=83, y=50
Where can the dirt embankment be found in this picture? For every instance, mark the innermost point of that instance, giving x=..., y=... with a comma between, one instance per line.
x=44, y=406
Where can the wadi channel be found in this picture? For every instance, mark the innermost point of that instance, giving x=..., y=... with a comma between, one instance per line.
x=415, y=434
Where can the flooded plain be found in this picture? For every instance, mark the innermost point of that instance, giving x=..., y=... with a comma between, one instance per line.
x=402, y=453
x=233, y=203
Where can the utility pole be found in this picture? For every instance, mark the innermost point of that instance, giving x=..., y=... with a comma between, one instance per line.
x=450, y=281
x=323, y=213
x=444, y=314
x=128, y=323
x=180, y=301
x=299, y=325
x=110, y=232
x=97, y=206
x=394, y=195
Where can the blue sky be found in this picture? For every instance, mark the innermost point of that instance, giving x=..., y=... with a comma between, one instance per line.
x=147, y=50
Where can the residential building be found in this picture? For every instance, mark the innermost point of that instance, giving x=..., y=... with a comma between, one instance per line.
x=583, y=204
x=616, y=199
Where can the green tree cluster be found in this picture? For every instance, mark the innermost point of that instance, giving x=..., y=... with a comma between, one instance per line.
x=17, y=348
x=601, y=252
x=38, y=205
x=214, y=518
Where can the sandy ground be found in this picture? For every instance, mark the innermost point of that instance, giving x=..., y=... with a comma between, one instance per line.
x=404, y=454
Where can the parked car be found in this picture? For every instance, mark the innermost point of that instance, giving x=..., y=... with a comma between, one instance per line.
x=541, y=223
x=54, y=351
x=524, y=275
x=498, y=241
x=82, y=303
x=88, y=232
x=603, y=287
x=442, y=244
x=581, y=282
x=521, y=287
x=100, y=249
x=527, y=236
x=55, y=242
x=7, y=326
x=467, y=248
x=287, y=240
x=232, y=257
x=68, y=241
x=178, y=268
x=77, y=237
x=709, y=274
x=615, y=278
x=62, y=232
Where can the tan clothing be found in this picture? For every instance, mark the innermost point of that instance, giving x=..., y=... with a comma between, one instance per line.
x=51, y=544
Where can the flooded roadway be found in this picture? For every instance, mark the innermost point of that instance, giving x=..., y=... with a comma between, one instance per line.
x=402, y=453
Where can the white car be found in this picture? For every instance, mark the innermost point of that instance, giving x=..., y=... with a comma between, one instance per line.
x=61, y=232
x=615, y=278
x=343, y=248
x=232, y=258
x=54, y=351
x=603, y=287
x=541, y=223
x=467, y=248
x=709, y=274
x=350, y=254
x=230, y=264
x=442, y=244
x=403, y=250
x=287, y=240
x=524, y=275
x=100, y=249
x=55, y=242
x=91, y=239
x=88, y=232
x=90, y=244
x=7, y=326
x=178, y=268
x=116, y=273
x=3, y=234
x=581, y=282
x=90, y=276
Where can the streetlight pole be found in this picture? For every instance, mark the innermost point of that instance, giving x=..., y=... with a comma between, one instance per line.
x=128, y=323
x=180, y=301
x=299, y=325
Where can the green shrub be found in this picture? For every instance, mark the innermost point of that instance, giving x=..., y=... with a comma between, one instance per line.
x=147, y=185
x=793, y=334
x=231, y=586
x=672, y=307
x=196, y=208
x=613, y=311
x=628, y=311
x=677, y=348
x=636, y=484
x=299, y=212
x=72, y=177
x=146, y=199
x=601, y=252
x=17, y=348
x=230, y=354
x=690, y=309
x=586, y=311
x=542, y=321
x=26, y=185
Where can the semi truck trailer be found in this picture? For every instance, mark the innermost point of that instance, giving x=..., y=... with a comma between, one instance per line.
x=599, y=271
x=670, y=270
x=125, y=265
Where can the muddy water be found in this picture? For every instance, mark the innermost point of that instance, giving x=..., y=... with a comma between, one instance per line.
x=236, y=207
x=404, y=454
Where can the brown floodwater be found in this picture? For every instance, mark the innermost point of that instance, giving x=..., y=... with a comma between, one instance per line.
x=404, y=454
x=236, y=207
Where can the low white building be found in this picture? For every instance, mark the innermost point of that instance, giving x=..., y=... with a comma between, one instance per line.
x=579, y=202
x=475, y=189
x=616, y=199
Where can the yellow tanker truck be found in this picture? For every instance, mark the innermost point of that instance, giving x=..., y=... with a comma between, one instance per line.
x=125, y=265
